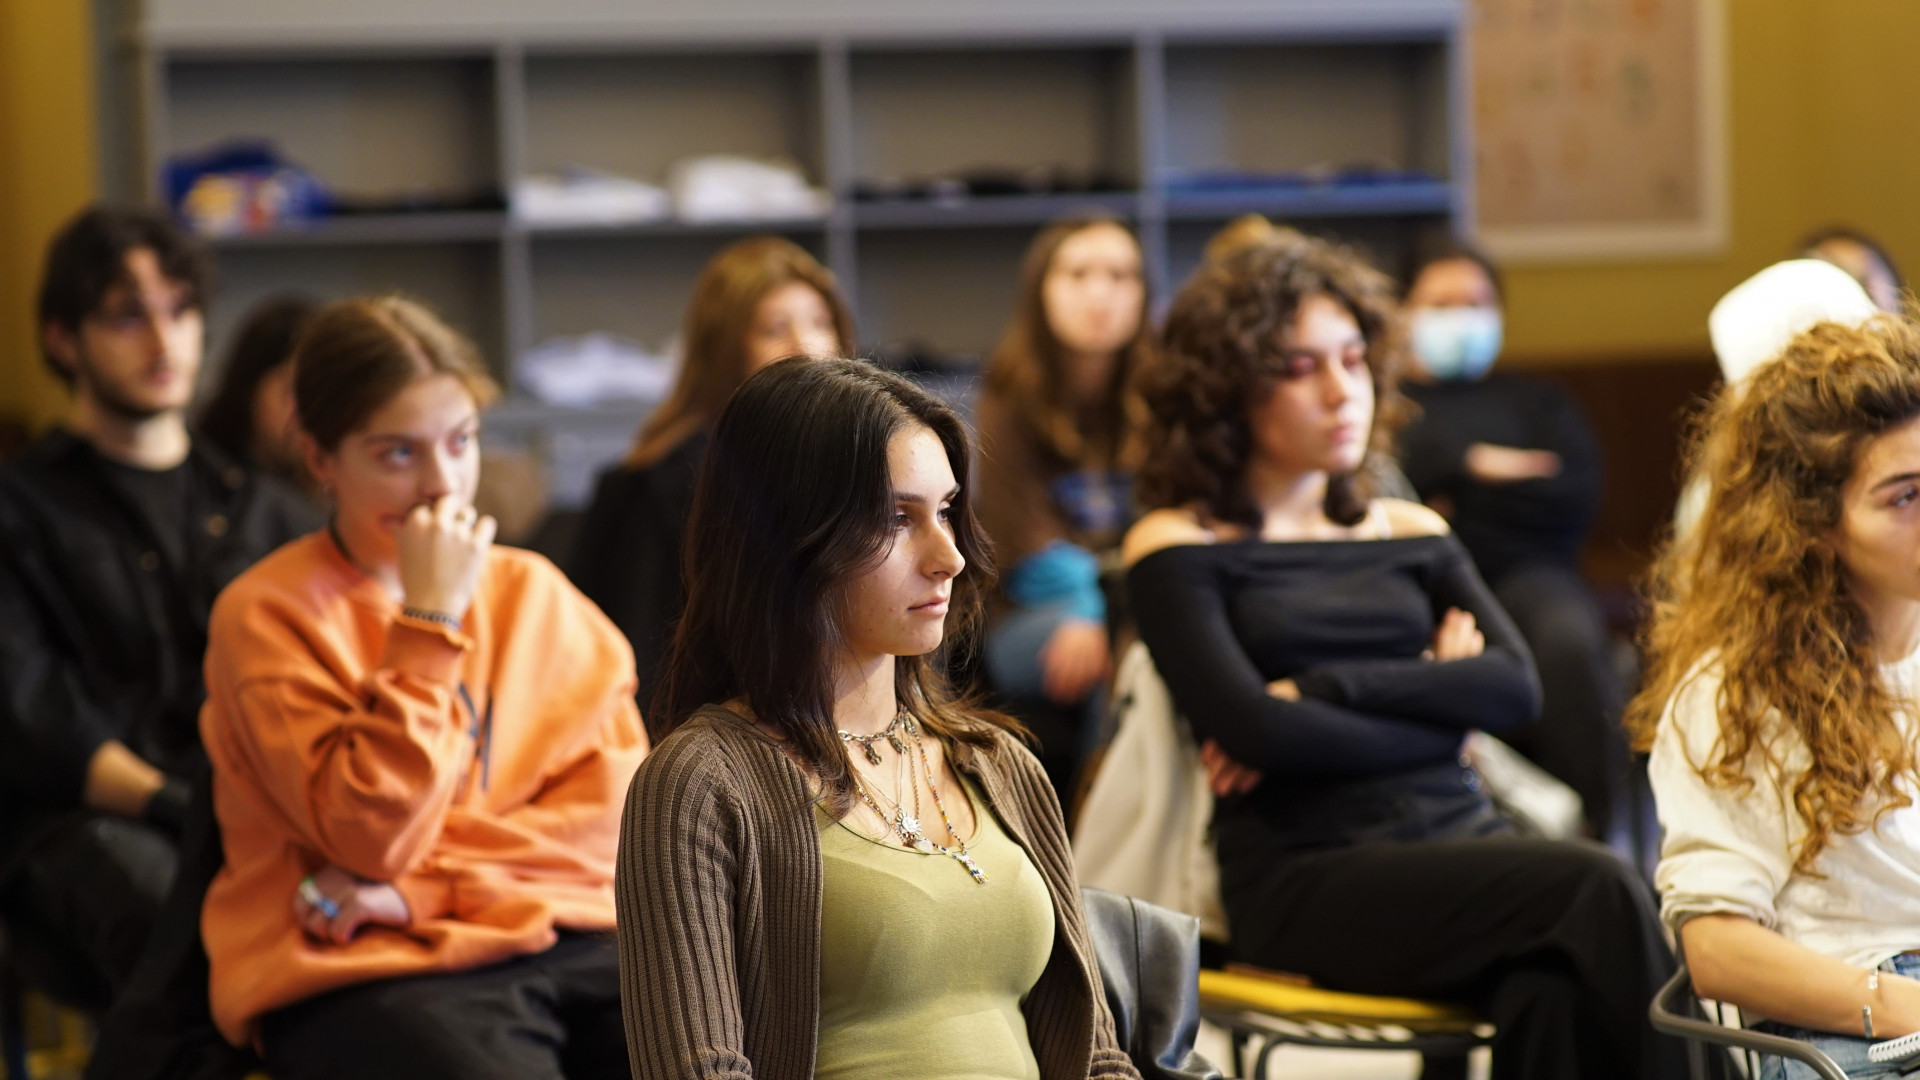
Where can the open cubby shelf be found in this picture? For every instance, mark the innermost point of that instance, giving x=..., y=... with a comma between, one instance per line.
x=420, y=227
x=1352, y=128
x=727, y=230
x=1399, y=198
x=990, y=210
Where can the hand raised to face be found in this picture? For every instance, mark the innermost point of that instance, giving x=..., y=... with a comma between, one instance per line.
x=442, y=549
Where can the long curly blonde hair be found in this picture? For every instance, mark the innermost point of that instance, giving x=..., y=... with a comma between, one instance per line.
x=1757, y=588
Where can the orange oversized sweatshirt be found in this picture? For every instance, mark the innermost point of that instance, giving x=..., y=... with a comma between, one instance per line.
x=481, y=771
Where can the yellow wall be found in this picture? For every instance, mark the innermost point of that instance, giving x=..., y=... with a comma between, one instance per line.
x=1824, y=129
x=1865, y=161
x=47, y=172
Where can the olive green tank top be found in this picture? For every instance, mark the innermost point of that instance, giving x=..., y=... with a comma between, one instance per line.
x=922, y=969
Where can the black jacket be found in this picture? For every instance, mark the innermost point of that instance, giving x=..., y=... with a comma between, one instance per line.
x=627, y=556
x=1506, y=526
x=101, y=637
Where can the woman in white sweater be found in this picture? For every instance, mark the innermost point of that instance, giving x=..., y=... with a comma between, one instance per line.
x=1784, y=663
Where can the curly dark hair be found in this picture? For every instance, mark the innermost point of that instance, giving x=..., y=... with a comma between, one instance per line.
x=1217, y=360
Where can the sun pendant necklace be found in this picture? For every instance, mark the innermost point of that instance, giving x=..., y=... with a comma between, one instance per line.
x=905, y=825
x=898, y=822
x=959, y=852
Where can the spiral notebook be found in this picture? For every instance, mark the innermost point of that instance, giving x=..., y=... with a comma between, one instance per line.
x=1898, y=1049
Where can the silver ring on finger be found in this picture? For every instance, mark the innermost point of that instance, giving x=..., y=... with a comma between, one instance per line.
x=320, y=901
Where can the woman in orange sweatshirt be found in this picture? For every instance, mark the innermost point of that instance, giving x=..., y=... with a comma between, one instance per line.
x=420, y=745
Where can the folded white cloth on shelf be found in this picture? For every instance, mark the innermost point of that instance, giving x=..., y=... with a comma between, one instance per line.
x=593, y=369
x=723, y=187
x=579, y=196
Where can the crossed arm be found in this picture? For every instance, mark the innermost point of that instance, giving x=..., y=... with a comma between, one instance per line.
x=1340, y=719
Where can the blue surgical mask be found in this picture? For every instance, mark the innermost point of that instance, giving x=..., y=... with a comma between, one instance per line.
x=1456, y=344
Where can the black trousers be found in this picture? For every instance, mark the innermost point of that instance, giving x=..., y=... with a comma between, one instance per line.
x=1578, y=736
x=161, y=1025
x=81, y=902
x=545, y=1017
x=1556, y=943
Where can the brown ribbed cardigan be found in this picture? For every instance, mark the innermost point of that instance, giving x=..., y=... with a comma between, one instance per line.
x=718, y=895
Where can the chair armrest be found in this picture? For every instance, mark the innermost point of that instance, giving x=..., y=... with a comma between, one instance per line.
x=1669, y=1014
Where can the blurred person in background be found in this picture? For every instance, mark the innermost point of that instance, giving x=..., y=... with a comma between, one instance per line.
x=1246, y=231
x=1864, y=260
x=1512, y=464
x=117, y=529
x=760, y=300
x=1059, y=424
x=1249, y=230
x=250, y=416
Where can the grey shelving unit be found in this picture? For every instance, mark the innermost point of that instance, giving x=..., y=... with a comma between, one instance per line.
x=1143, y=98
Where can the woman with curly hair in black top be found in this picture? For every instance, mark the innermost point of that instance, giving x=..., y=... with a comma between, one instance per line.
x=1330, y=650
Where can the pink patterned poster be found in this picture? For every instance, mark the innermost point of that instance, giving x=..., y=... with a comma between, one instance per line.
x=1598, y=126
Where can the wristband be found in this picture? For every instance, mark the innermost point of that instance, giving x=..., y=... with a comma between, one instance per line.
x=166, y=808
x=424, y=615
x=1866, y=1011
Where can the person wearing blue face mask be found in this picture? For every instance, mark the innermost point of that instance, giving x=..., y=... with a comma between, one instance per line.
x=1457, y=344
x=1512, y=463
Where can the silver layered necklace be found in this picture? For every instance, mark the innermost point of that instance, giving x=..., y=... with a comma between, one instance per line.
x=907, y=826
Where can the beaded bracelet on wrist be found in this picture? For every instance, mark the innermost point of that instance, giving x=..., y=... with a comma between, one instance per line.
x=424, y=615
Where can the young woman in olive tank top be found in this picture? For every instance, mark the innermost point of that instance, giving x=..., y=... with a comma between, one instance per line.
x=833, y=867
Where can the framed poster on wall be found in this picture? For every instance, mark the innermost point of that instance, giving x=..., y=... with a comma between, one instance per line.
x=1599, y=128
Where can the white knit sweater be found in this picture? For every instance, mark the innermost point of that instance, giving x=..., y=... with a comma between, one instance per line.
x=1729, y=851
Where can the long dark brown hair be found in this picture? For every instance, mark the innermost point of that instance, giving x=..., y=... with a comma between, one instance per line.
x=793, y=504
x=1756, y=592
x=265, y=341
x=1026, y=370
x=1218, y=350
x=714, y=335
